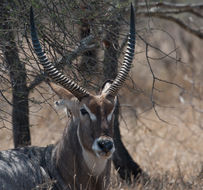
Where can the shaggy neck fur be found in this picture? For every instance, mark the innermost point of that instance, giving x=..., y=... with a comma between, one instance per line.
x=79, y=168
x=95, y=164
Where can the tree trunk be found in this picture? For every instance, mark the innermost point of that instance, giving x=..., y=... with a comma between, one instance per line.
x=110, y=62
x=88, y=63
x=17, y=70
x=122, y=160
x=20, y=112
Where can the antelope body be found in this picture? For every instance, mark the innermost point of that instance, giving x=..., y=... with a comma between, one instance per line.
x=81, y=159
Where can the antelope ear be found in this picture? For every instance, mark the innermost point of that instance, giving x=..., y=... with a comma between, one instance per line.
x=60, y=91
x=67, y=99
x=106, y=86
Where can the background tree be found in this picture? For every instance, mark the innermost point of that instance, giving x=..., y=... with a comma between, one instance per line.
x=80, y=37
x=18, y=77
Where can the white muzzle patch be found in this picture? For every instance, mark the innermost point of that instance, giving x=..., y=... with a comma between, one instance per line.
x=103, y=152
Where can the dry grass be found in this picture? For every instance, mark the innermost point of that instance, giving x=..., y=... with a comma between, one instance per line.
x=171, y=153
x=161, y=182
x=170, y=150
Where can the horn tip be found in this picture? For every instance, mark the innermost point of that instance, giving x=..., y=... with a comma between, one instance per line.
x=31, y=16
x=131, y=7
x=131, y=4
x=132, y=15
x=31, y=12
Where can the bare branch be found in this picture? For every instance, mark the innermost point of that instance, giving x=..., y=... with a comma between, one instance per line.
x=5, y=98
x=159, y=50
x=171, y=5
x=86, y=44
x=168, y=11
x=154, y=79
x=162, y=15
x=38, y=80
x=122, y=46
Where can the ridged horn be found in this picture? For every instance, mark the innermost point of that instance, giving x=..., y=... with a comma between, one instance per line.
x=50, y=69
x=128, y=58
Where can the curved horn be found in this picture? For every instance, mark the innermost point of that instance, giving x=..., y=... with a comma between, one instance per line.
x=50, y=69
x=128, y=58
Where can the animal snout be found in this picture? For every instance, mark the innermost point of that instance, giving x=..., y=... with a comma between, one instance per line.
x=105, y=145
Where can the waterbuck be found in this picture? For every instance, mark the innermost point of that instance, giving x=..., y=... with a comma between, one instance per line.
x=81, y=159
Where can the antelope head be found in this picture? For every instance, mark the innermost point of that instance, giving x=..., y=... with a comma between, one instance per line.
x=94, y=116
x=92, y=113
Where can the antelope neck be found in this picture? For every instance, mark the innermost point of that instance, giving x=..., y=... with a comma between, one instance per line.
x=95, y=164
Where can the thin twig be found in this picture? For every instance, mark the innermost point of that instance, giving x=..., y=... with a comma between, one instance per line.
x=186, y=27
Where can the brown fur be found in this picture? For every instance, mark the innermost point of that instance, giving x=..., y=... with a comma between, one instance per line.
x=76, y=144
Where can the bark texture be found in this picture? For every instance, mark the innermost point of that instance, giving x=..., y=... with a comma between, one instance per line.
x=17, y=71
x=123, y=162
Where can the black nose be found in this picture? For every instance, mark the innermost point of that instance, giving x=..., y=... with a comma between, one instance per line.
x=105, y=145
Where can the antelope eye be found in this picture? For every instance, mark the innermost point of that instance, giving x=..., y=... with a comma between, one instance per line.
x=83, y=111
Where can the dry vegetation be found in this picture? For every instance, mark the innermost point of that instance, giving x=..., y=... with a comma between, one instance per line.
x=168, y=146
